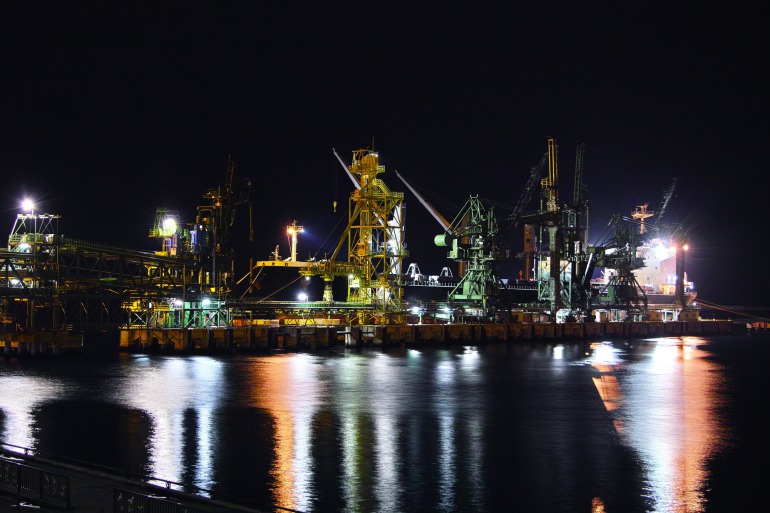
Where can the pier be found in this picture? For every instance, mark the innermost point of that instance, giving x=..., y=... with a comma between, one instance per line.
x=299, y=338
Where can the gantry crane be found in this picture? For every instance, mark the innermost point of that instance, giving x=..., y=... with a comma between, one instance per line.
x=479, y=241
x=618, y=252
x=374, y=240
x=576, y=234
x=472, y=239
x=679, y=237
x=621, y=250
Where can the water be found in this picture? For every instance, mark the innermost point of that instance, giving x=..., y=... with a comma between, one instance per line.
x=663, y=425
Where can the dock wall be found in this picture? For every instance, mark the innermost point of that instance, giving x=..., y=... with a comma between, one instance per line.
x=40, y=342
x=269, y=338
x=299, y=338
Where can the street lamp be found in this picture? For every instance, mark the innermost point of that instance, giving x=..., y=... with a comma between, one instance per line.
x=293, y=231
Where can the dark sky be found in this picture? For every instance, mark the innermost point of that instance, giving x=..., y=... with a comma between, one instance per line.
x=113, y=109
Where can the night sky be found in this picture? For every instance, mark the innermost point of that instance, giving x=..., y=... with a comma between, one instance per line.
x=112, y=109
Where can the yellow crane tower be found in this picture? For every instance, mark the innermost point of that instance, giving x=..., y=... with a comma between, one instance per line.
x=374, y=239
x=375, y=243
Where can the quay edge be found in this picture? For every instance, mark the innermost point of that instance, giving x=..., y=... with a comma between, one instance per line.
x=271, y=338
x=310, y=338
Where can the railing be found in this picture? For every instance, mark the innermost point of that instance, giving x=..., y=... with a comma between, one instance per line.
x=31, y=481
x=127, y=501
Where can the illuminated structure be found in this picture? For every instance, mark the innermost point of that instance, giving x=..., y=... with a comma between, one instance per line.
x=641, y=213
x=50, y=281
x=556, y=248
x=292, y=231
x=375, y=236
x=548, y=273
x=374, y=241
x=53, y=281
x=166, y=229
x=29, y=270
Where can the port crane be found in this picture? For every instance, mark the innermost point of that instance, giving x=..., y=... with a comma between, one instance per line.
x=621, y=250
x=374, y=242
x=478, y=240
x=617, y=251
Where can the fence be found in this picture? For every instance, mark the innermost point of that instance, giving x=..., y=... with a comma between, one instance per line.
x=33, y=482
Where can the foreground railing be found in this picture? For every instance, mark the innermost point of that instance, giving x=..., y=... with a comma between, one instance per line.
x=33, y=482
x=127, y=501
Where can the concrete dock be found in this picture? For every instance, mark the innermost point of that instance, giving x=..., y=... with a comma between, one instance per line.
x=313, y=337
x=310, y=337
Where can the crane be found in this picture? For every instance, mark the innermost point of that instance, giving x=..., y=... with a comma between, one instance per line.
x=617, y=251
x=575, y=293
x=679, y=237
x=478, y=240
x=625, y=250
x=211, y=237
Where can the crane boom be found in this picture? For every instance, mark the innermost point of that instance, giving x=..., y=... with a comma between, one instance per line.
x=666, y=199
x=438, y=217
x=526, y=195
x=347, y=170
x=577, y=197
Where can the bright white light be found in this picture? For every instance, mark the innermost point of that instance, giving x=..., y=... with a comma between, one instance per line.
x=662, y=252
x=604, y=353
x=169, y=225
x=28, y=205
x=302, y=297
x=206, y=302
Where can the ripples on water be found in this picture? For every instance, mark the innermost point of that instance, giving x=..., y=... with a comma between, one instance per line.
x=619, y=426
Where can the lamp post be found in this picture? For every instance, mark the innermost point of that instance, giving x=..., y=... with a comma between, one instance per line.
x=28, y=205
x=681, y=250
x=293, y=231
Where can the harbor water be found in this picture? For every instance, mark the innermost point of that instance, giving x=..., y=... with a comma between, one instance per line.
x=669, y=425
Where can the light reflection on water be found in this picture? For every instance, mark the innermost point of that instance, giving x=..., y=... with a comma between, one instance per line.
x=289, y=388
x=401, y=430
x=19, y=396
x=665, y=407
x=166, y=388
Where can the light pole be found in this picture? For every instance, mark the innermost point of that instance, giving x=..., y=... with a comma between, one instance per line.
x=681, y=250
